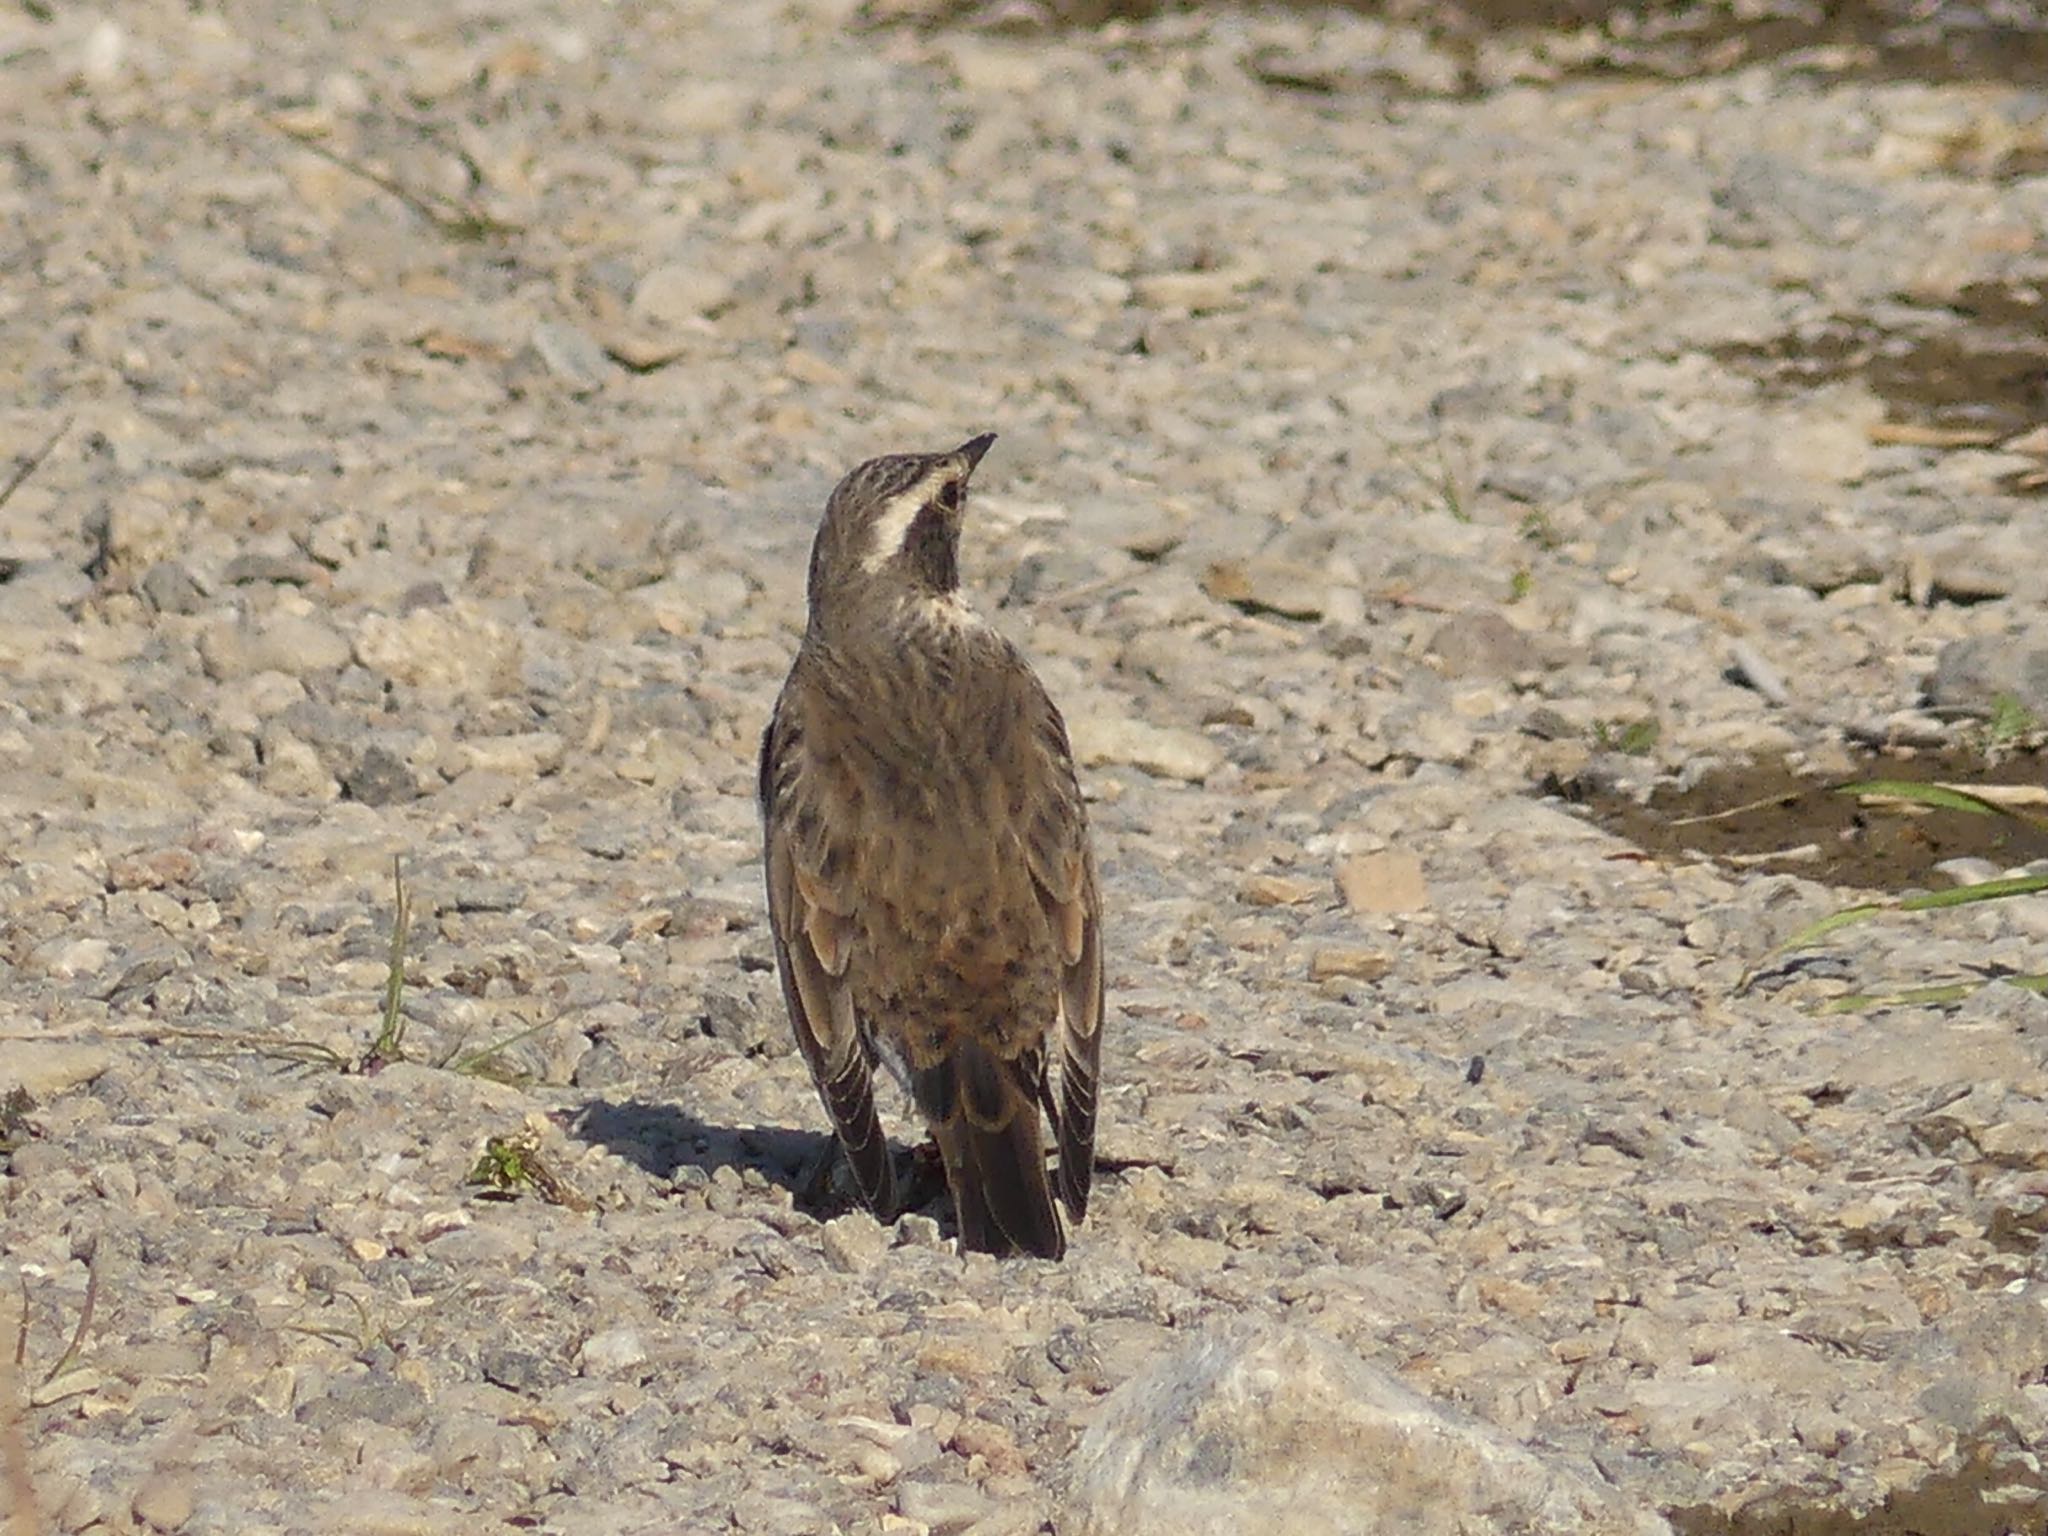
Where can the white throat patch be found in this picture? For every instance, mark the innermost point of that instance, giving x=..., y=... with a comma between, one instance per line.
x=886, y=533
x=949, y=612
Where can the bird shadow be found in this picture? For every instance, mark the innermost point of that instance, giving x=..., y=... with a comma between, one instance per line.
x=664, y=1140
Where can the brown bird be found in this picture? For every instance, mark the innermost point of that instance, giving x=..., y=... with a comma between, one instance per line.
x=930, y=882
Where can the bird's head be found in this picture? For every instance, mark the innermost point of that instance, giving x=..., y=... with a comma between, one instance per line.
x=891, y=530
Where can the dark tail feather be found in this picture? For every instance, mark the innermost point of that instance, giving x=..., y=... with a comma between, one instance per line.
x=850, y=1099
x=1076, y=1126
x=988, y=1132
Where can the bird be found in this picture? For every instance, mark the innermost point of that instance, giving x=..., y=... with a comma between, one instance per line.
x=931, y=883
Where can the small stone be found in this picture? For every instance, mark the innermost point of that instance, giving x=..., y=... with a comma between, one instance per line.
x=603, y=1066
x=612, y=1351
x=1193, y=292
x=853, y=1242
x=152, y=871
x=1974, y=674
x=164, y=1502
x=744, y=1021
x=571, y=356
x=256, y=567
x=47, y=1068
x=679, y=295
x=994, y=1444
x=421, y=594
x=482, y=895
x=1332, y=962
x=1268, y=586
x=293, y=768
x=1251, y=1418
x=918, y=1232
x=76, y=957
x=105, y=50
x=1823, y=1430
x=380, y=775
x=1279, y=890
x=528, y=755
x=944, y=1509
x=1480, y=643
x=1383, y=883
x=1165, y=752
x=449, y=648
x=295, y=644
x=518, y=1370
x=171, y=589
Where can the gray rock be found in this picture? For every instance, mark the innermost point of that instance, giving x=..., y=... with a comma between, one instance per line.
x=612, y=1352
x=47, y=1068
x=1482, y=643
x=1166, y=752
x=1975, y=673
x=853, y=1242
x=944, y=1509
x=571, y=356
x=296, y=644
x=41, y=591
x=1257, y=1426
x=380, y=774
x=258, y=567
x=603, y=1066
x=171, y=589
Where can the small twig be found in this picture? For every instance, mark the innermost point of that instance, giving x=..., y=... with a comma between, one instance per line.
x=364, y=1336
x=92, y=1296
x=1770, y=855
x=25, y=467
x=1766, y=803
x=455, y=220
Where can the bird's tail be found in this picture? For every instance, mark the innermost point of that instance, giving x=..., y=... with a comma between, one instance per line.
x=986, y=1122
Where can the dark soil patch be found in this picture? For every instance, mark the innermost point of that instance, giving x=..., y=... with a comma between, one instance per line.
x=1766, y=815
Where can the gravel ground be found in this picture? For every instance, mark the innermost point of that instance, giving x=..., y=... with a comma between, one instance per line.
x=438, y=404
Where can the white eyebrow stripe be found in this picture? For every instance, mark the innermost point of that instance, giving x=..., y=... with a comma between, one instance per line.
x=892, y=524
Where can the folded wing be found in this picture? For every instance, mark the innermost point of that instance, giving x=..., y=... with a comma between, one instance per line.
x=1063, y=870
x=810, y=908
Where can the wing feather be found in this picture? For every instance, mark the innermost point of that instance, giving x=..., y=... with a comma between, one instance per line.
x=813, y=935
x=1064, y=871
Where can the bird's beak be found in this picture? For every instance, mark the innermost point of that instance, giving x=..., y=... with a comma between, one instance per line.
x=973, y=449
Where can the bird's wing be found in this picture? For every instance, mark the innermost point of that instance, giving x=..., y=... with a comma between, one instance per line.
x=808, y=856
x=1063, y=868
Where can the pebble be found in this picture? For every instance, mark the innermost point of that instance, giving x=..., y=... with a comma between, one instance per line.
x=944, y=1509
x=527, y=755
x=1383, y=883
x=1331, y=961
x=45, y=1069
x=1250, y=1418
x=854, y=1242
x=1976, y=672
x=165, y=1502
x=1279, y=890
x=293, y=644
x=611, y=1352
x=1162, y=751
